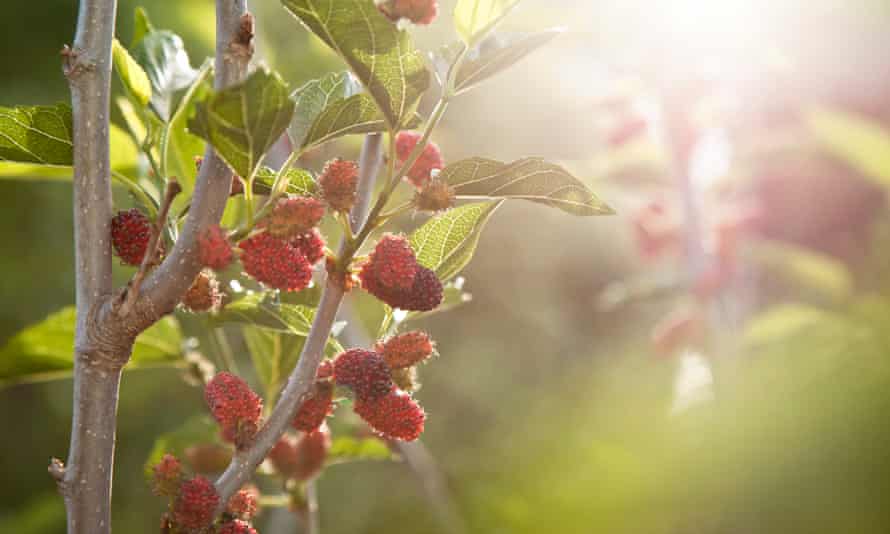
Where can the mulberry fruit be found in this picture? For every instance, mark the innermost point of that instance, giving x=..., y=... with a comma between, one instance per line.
x=406, y=350
x=393, y=416
x=430, y=158
x=293, y=216
x=214, y=249
x=166, y=476
x=338, y=182
x=244, y=503
x=364, y=372
x=421, y=12
x=310, y=245
x=130, y=233
x=393, y=262
x=275, y=262
x=312, y=450
x=236, y=527
x=315, y=408
x=235, y=407
x=435, y=196
x=425, y=294
x=196, y=502
x=204, y=294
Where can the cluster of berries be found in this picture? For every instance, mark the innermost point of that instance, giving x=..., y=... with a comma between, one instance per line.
x=193, y=501
x=393, y=275
x=421, y=12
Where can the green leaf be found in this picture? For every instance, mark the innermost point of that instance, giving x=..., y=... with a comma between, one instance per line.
x=37, y=134
x=474, y=19
x=141, y=26
x=196, y=430
x=357, y=114
x=498, y=53
x=162, y=55
x=44, y=351
x=314, y=97
x=300, y=181
x=274, y=356
x=131, y=75
x=179, y=146
x=350, y=449
x=446, y=243
x=862, y=143
x=528, y=179
x=244, y=121
x=382, y=57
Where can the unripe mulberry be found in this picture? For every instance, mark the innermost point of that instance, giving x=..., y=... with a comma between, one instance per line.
x=393, y=416
x=204, y=294
x=315, y=408
x=406, y=350
x=130, y=233
x=364, y=372
x=236, y=527
x=244, y=503
x=421, y=12
x=196, y=502
x=214, y=249
x=338, y=182
x=436, y=195
x=208, y=457
x=310, y=245
x=424, y=295
x=167, y=474
x=235, y=407
x=393, y=262
x=283, y=456
x=312, y=451
x=430, y=158
x=293, y=216
x=275, y=262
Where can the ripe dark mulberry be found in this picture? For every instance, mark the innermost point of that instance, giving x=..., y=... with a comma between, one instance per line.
x=214, y=248
x=424, y=295
x=338, y=181
x=275, y=262
x=393, y=416
x=310, y=244
x=421, y=12
x=293, y=216
x=195, y=504
x=235, y=407
x=406, y=350
x=430, y=158
x=364, y=372
x=130, y=233
x=315, y=408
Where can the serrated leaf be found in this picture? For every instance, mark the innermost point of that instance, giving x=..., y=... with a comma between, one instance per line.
x=528, y=179
x=130, y=73
x=446, y=243
x=162, y=56
x=863, y=143
x=37, y=134
x=44, y=350
x=314, y=97
x=474, y=19
x=141, y=26
x=357, y=114
x=383, y=57
x=498, y=53
x=300, y=182
x=178, y=146
x=349, y=449
x=242, y=122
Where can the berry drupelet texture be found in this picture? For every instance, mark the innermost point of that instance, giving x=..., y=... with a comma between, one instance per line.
x=294, y=215
x=275, y=262
x=235, y=407
x=244, y=503
x=364, y=372
x=393, y=416
x=406, y=350
x=214, y=249
x=315, y=408
x=166, y=476
x=424, y=295
x=393, y=262
x=338, y=183
x=309, y=244
x=194, y=506
x=130, y=233
x=236, y=527
x=430, y=158
x=204, y=294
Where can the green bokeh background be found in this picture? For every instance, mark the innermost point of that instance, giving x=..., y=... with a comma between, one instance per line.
x=546, y=414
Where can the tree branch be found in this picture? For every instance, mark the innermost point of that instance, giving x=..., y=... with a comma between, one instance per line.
x=244, y=463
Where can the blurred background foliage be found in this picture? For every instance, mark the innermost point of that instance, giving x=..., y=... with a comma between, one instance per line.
x=548, y=410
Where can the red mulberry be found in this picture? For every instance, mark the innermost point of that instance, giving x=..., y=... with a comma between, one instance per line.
x=196, y=502
x=421, y=12
x=363, y=371
x=130, y=233
x=235, y=407
x=430, y=158
x=310, y=245
x=275, y=262
x=392, y=262
x=312, y=451
x=166, y=476
x=425, y=294
x=236, y=527
x=214, y=248
x=294, y=215
x=244, y=503
x=393, y=416
x=315, y=408
x=204, y=294
x=338, y=181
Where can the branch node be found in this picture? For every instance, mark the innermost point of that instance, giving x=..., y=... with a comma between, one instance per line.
x=242, y=47
x=74, y=63
x=56, y=470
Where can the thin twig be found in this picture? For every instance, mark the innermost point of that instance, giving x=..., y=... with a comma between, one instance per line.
x=313, y=526
x=150, y=257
